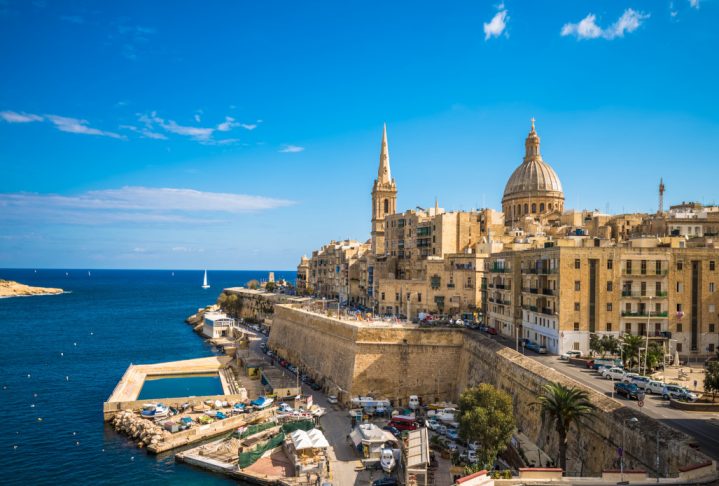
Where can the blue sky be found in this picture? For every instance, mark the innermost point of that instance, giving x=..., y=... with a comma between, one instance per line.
x=240, y=135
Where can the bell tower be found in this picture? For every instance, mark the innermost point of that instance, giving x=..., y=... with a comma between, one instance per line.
x=384, y=197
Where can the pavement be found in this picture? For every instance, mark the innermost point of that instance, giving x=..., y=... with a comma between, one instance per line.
x=702, y=426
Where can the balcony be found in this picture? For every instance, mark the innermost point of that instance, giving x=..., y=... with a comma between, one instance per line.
x=643, y=295
x=541, y=271
x=548, y=292
x=503, y=286
x=649, y=273
x=650, y=315
x=500, y=270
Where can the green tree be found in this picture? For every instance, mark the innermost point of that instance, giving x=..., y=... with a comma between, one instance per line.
x=253, y=284
x=655, y=355
x=711, y=379
x=609, y=344
x=564, y=406
x=270, y=286
x=486, y=416
x=631, y=348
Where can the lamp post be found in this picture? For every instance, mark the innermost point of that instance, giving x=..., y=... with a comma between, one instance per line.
x=621, y=458
x=646, y=351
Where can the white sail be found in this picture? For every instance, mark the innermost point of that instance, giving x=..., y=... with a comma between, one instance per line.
x=204, y=282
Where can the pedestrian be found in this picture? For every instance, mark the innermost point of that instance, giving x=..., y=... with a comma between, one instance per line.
x=695, y=384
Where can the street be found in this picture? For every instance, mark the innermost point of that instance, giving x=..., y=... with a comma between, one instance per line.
x=703, y=426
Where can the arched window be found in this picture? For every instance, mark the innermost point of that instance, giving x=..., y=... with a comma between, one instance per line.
x=386, y=206
x=526, y=208
x=541, y=207
x=534, y=208
x=551, y=206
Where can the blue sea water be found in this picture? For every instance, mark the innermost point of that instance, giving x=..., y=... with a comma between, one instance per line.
x=186, y=386
x=62, y=355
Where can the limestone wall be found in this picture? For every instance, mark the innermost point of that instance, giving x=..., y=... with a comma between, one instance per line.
x=595, y=449
x=395, y=362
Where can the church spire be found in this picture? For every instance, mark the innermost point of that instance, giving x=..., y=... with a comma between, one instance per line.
x=531, y=145
x=384, y=176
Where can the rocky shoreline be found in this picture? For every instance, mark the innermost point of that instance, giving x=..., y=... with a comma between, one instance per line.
x=9, y=288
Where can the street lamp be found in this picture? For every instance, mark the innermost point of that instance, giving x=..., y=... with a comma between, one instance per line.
x=632, y=420
x=646, y=353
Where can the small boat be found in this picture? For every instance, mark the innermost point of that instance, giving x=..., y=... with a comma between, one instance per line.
x=262, y=402
x=387, y=459
x=205, y=285
x=89, y=274
x=155, y=410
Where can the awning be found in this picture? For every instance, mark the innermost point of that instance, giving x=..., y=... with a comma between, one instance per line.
x=318, y=439
x=301, y=440
x=356, y=437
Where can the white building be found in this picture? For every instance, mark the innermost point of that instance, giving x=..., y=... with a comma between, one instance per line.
x=217, y=324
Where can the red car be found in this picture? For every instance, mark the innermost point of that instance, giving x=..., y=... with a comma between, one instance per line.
x=492, y=331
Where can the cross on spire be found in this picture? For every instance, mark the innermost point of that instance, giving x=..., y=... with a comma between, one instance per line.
x=533, y=120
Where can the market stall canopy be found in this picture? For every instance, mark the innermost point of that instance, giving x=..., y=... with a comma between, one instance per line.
x=318, y=439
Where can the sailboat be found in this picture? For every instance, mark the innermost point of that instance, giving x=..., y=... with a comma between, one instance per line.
x=205, y=285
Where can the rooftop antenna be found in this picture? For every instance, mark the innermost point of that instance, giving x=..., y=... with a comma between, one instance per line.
x=661, y=196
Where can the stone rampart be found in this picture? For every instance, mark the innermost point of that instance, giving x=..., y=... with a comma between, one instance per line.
x=352, y=358
x=596, y=447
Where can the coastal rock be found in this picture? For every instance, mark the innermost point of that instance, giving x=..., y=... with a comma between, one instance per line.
x=9, y=288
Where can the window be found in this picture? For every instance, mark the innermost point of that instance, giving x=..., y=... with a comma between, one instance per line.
x=576, y=306
x=382, y=295
x=679, y=307
x=386, y=206
x=628, y=327
x=526, y=208
x=629, y=266
x=679, y=286
x=679, y=347
x=711, y=286
x=541, y=207
x=534, y=208
x=711, y=327
x=396, y=296
x=710, y=348
x=643, y=268
x=610, y=286
x=576, y=326
x=576, y=345
x=680, y=266
x=679, y=327
x=659, y=267
x=711, y=266
x=609, y=307
x=712, y=308
x=610, y=264
x=419, y=296
x=577, y=285
x=609, y=327
x=577, y=263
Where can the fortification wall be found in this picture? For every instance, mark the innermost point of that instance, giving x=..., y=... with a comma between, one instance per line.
x=437, y=364
x=595, y=448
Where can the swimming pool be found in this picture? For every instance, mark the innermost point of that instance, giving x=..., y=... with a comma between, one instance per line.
x=181, y=386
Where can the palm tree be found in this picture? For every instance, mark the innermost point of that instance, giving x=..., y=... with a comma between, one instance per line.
x=563, y=406
x=632, y=344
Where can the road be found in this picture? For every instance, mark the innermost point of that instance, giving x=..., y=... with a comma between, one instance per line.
x=702, y=426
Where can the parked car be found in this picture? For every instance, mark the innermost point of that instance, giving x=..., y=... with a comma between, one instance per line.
x=537, y=348
x=474, y=445
x=385, y=482
x=628, y=390
x=393, y=430
x=569, y=355
x=442, y=429
x=613, y=373
x=432, y=424
x=678, y=393
x=640, y=381
x=452, y=434
x=452, y=447
x=332, y=399
x=653, y=386
x=472, y=456
x=628, y=377
x=492, y=331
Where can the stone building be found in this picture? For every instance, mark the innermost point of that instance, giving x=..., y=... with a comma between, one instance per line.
x=533, y=189
x=534, y=270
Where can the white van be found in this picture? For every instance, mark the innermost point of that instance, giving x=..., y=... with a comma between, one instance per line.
x=413, y=402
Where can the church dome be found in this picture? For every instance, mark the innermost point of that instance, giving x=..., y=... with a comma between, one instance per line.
x=534, y=176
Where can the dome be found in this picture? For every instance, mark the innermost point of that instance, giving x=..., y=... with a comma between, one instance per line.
x=531, y=177
x=534, y=175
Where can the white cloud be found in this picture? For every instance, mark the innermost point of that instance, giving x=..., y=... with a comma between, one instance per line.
x=291, y=149
x=198, y=118
x=15, y=117
x=694, y=3
x=199, y=134
x=587, y=28
x=227, y=125
x=144, y=132
x=248, y=126
x=497, y=25
x=75, y=125
x=132, y=204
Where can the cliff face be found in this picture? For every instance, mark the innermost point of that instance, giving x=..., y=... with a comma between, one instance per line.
x=15, y=289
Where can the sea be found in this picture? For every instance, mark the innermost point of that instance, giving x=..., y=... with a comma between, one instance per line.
x=62, y=355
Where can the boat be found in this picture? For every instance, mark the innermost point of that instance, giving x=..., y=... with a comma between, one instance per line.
x=386, y=459
x=155, y=410
x=205, y=285
x=262, y=402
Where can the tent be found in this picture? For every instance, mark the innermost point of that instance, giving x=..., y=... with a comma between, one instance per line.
x=318, y=439
x=300, y=440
